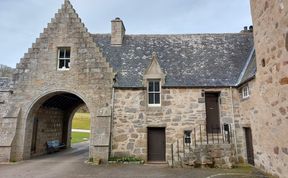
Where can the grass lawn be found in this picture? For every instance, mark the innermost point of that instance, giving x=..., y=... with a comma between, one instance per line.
x=78, y=137
x=81, y=121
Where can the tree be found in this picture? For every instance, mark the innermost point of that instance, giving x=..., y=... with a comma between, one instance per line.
x=6, y=71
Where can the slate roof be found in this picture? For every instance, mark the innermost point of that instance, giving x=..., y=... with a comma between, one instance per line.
x=192, y=60
x=5, y=83
x=250, y=71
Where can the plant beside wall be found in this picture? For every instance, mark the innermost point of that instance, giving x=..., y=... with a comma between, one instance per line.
x=125, y=160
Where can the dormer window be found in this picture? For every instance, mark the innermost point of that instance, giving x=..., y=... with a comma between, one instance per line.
x=245, y=92
x=153, y=79
x=154, y=92
x=64, y=58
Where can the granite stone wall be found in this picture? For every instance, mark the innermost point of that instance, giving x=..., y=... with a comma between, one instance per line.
x=269, y=116
x=50, y=124
x=181, y=109
x=4, y=102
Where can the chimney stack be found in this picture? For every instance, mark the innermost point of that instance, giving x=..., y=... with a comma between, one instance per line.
x=117, y=32
x=245, y=29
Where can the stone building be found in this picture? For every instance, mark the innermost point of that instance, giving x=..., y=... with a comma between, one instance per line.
x=148, y=94
x=267, y=108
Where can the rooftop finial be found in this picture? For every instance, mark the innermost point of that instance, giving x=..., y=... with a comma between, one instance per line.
x=154, y=55
x=66, y=2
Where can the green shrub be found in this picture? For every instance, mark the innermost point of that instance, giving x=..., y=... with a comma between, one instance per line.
x=125, y=159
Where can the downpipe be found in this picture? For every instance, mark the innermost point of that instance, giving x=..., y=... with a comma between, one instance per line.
x=111, y=121
x=233, y=120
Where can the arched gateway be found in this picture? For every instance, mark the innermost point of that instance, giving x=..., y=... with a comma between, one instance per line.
x=63, y=70
x=50, y=118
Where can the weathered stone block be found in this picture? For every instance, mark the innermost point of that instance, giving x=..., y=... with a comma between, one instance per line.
x=121, y=138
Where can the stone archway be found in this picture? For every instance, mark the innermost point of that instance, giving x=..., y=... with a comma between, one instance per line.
x=49, y=118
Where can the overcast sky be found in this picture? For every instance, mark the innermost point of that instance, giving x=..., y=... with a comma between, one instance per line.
x=23, y=20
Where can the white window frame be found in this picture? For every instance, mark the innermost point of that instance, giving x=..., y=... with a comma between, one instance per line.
x=245, y=92
x=64, y=58
x=154, y=92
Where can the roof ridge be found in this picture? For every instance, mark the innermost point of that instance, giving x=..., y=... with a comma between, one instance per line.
x=184, y=34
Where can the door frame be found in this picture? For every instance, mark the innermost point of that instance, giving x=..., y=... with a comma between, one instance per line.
x=164, y=147
x=218, y=93
x=248, y=137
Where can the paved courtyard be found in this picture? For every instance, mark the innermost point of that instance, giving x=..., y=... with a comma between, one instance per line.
x=71, y=164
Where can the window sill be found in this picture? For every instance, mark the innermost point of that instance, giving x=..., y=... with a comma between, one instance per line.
x=63, y=69
x=245, y=98
x=154, y=105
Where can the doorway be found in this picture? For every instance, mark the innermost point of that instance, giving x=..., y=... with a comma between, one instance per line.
x=249, y=145
x=212, y=112
x=34, y=136
x=156, y=144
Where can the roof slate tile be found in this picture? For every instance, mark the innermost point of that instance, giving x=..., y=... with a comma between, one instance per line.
x=192, y=60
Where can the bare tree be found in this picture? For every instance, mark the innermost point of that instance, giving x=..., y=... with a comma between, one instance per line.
x=6, y=71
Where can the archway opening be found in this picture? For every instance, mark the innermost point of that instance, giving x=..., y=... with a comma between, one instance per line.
x=80, y=125
x=52, y=118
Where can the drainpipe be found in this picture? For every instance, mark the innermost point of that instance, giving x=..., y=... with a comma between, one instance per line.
x=233, y=120
x=111, y=121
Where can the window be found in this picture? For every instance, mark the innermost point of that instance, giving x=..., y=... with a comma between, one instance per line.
x=64, y=58
x=154, y=93
x=187, y=136
x=245, y=92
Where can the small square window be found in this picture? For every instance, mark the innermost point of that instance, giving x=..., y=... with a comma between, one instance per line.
x=187, y=136
x=154, y=93
x=64, y=58
x=245, y=92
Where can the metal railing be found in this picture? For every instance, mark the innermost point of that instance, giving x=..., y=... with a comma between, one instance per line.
x=201, y=135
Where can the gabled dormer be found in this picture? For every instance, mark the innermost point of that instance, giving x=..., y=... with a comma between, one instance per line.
x=153, y=79
x=154, y=71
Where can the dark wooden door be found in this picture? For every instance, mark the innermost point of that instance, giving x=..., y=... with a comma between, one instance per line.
x=156, y=144
x=212, y=112
x=249, y=145
x=34, y=136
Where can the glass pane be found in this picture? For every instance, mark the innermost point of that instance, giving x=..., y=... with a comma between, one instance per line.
x=61, y=64
x=151, y=98
x=67, y=64
x=61, y=53
x=67, y=53
x=151, y=84
x=157, y=98
x=157, y=86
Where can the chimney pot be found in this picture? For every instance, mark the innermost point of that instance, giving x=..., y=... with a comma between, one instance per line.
x=251, y=28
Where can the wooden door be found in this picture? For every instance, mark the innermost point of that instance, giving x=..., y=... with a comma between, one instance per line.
x=212, y=112
x=156, y=144
x=34, y=136
x=249, y=145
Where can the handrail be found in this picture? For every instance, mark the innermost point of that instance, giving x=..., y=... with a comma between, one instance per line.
x=221, y=134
